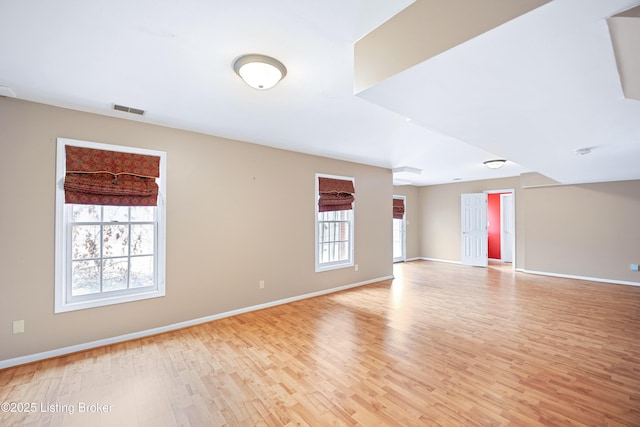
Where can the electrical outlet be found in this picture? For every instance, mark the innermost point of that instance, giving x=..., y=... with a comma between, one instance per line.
x=634, y=267
x=18, y=326
x=261, y=284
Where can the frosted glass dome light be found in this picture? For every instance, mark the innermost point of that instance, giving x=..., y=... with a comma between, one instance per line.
x=259, y=71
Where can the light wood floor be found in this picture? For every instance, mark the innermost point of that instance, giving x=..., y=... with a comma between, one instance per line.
x=440, y=345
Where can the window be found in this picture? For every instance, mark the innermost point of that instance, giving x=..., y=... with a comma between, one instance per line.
x=334, y=222
x=399, y=226
x=107, y=254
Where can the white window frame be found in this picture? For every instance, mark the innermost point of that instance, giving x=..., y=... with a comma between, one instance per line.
x=63, y=302
x=403, y=230
x=325, y=266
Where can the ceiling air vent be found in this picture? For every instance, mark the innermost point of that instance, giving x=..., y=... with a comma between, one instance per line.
x=128, y=109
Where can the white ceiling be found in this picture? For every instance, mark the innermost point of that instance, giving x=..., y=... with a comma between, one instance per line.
x=533, y=90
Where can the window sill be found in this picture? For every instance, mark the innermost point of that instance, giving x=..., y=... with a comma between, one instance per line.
x=321, y=268
x=63, y=307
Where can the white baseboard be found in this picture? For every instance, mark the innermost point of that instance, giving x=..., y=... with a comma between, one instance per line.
x=545, y=273
x=407, y=260
x=440, y=260
x=155, y=331
x=571, y=276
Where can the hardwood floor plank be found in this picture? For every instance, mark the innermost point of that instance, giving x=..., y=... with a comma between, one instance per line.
x=441, y=344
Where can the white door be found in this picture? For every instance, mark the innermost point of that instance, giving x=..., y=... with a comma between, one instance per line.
x=474, y=229
x=506, y=234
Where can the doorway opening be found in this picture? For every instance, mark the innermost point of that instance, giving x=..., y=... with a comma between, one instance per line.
x=500, y=226
x=488, y=227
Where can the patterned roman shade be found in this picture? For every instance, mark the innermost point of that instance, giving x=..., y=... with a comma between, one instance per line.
x=398, y=208
x=335, y=194
x=102, y=177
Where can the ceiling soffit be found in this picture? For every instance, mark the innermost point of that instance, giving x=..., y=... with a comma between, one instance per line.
x=425, y=29
x=625, y=35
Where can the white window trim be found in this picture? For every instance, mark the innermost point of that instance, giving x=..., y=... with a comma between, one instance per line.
x=339, y=264
x=62, y=250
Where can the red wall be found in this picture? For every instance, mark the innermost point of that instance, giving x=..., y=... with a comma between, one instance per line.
x=493, y=216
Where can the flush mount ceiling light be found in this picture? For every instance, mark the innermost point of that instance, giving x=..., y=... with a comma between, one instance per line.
x=494, y=164
x=259, y=71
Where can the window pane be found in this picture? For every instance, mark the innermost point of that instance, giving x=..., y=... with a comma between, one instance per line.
x=344, y=231
x=342, y=251
x=141, y=271
x=116, y=213
x=85, y=277
x=115, y=240
x=142, y=239
x=114, y=274
x=324, y=253
x=143, y=213
x=85, y=241
x=397, y=238
x=86, y=213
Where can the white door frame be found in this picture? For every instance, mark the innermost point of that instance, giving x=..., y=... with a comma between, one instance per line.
x=507, y=233
x=513, y=216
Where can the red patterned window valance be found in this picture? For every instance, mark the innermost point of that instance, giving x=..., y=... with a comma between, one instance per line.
x=335, y=194
x=398, y=208
x=102, y=177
